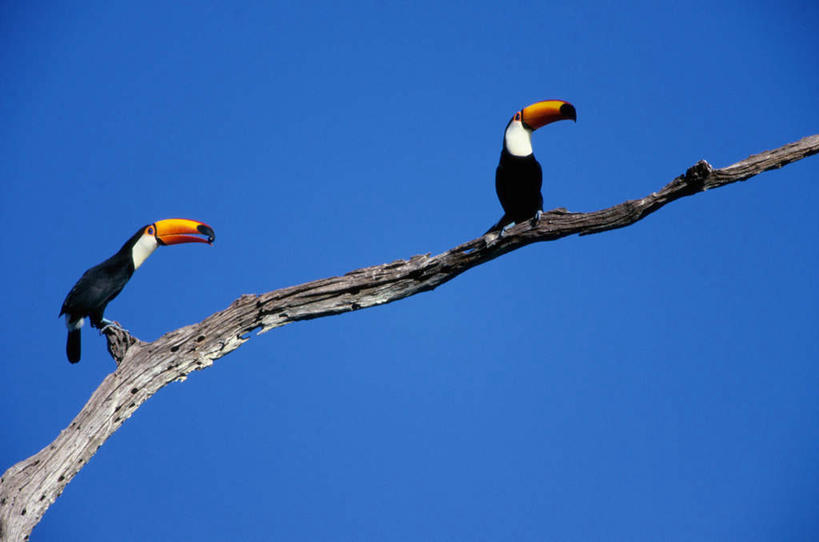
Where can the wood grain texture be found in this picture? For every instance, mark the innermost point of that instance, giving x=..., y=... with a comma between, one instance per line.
x=28, y=488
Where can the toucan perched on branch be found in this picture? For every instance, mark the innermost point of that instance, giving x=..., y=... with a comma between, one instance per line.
x=518, y=177
x=103, y=282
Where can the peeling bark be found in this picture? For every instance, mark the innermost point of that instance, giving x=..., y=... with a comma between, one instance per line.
x=28, y=488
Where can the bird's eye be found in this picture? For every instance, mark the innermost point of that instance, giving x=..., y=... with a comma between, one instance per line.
x=517, y=115
x=150, y=230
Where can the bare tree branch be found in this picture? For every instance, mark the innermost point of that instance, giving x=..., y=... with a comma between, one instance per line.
x=28, y=488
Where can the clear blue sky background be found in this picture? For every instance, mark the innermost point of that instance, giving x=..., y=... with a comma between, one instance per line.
x=653, y=383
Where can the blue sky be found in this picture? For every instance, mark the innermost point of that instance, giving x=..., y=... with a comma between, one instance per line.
x=652, y=383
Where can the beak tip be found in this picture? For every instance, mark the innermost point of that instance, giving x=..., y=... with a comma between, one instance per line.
x=568, y=111
x=204, y=229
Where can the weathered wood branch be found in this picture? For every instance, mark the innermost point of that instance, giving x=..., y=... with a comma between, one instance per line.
x=28, y=488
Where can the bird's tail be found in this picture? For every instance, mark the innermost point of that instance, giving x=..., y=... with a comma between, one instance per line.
x=73, y=347
x=502, y=223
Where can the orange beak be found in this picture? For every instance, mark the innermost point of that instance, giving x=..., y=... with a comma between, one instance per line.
x=542, y=113
x=174, y=231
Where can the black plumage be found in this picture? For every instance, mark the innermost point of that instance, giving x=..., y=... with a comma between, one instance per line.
x=518, y=181
x=102, y=283
x=95, y=289
x=519, y=177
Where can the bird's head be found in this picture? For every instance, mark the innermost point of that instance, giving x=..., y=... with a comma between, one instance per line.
x=171, y=231
x=518, y=135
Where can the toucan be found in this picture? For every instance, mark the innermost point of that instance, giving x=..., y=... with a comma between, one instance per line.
x=103, y=282
x=518, y=177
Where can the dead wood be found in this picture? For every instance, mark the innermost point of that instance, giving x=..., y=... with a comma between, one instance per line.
x=28, y=488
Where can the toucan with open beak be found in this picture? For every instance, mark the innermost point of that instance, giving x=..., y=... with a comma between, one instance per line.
x=518, y=178
x=103, y=282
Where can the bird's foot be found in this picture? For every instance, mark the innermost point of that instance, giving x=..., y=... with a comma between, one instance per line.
x=536, y=218
x=505, y=229
x=110, y=323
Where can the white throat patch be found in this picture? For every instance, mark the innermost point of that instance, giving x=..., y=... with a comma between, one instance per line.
x=142, y=249
x=518, y=139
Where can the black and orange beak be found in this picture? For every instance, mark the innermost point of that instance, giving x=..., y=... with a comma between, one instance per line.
x=542, y=113
x=174, y=231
